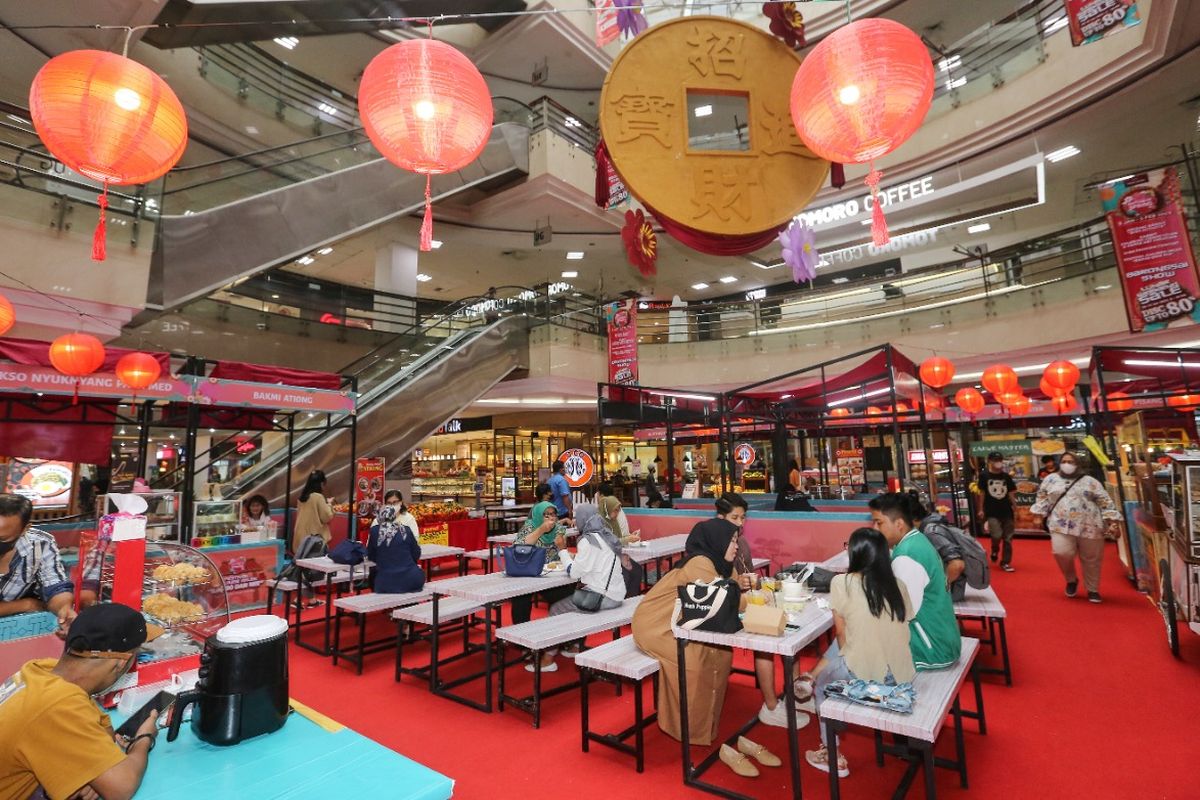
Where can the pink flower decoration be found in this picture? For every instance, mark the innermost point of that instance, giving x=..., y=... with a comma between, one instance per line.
x=629, y=17
x=800, y=250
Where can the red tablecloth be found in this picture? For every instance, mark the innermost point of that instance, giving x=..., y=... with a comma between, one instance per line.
x=469, y=534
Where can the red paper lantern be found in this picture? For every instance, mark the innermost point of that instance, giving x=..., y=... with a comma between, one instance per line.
x=138, y=370
x=1008, y=398
x=1118, y=401
x=969, y=400
x=902, y=407
x=1061, y=374
x=1019, y=407
x=8, y=316
x=874, y=411
x=861, y=92
x=1066, y=403
x=77, y=355
x=1052, y=391
x=108, y=118
x=1000, y=378
x=839, y=412
x=427, y=109
x=1184, y=402
x=937, y=372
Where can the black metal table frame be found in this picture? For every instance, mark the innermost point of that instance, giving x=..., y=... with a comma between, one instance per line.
x=423, y=672
x=328, y=619
x=994, y=624
x=616, y=741
x=443, y=688
x=532, y=704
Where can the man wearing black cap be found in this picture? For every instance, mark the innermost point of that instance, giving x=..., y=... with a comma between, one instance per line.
x=997, y=507
x=53, y=735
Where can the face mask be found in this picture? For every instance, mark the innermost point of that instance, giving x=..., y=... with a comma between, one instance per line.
x=5, y=547
x=1067, y=468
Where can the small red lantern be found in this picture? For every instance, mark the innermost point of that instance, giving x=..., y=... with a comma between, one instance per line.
x=1052, y=391
x=77, y=355
x=860, y=94
x=1018, y=407
x=1118, y=401
x=8, y=317
x=1184, y=402
x=108, y=118
x=1008, y=398
x=1061, y=374
x=138, y=370
x=937, y=372
x=427, y=109
x=874, y=411
x=1000, y=378
x=969, y=400
x=839, y=412
x=1066, y=403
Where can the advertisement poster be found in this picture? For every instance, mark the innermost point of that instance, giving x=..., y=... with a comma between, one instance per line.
x=435, y=533
x=368, y=494
x=47, y=484
x=1092, y=20
x=850, y=467
x=622, y=342
x=607, y=29
x=1022, y=459
x=1154, y=256
x=578, y=467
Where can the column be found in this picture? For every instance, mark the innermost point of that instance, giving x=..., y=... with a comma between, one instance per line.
x=395, y=274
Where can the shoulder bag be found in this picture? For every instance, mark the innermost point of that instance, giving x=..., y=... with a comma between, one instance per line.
x=711, y=606
x=589, y=600
x=1054, y=505
x=524, y=561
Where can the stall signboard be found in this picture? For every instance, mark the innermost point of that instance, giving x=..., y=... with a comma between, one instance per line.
x=578, y=467
x=1092, y=20
x=939, y=456
x=744, y=453
x=850, y=466
x=47, y=380
x=47, y=484
x=368, y=494
x=508, y=491
x=1021, y=457
x=622, y=342
x=435, y=533
x=463, y=425
x=1154, y=254
x=212, y=391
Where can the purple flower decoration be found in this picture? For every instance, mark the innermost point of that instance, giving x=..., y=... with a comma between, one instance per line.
x=800, y=250
x=629, y=17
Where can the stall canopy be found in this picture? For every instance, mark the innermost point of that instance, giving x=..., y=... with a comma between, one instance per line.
x=1159, y=381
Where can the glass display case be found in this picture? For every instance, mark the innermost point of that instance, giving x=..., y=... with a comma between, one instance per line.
x=216, y=522
x=162, y=514
x=1180, y=575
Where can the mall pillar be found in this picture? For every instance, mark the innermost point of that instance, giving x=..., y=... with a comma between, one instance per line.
x=780, y=456
x=395, y=274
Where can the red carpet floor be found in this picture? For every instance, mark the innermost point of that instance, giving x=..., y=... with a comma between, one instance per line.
x=1098, y=709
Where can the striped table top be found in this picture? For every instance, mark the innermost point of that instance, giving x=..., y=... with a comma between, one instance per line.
x=813, y=621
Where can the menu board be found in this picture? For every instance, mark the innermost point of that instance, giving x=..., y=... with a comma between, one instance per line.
x=47, y=484
x=850, y=467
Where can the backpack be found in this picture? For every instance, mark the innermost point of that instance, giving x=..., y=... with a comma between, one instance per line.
x=311, y=546
x=976, y=571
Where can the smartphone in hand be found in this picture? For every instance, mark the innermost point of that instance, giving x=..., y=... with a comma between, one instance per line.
x=160, y=703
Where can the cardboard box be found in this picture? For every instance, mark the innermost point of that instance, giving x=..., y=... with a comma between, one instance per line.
x=767, y=620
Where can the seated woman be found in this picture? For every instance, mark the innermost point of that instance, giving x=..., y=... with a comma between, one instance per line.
x=870, y=612
x=395, y=550
x=541, y=529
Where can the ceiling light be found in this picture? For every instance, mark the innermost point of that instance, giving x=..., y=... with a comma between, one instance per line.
x=435, y=244
x=949, y=62
x=1051, y=26
x=699, y=286
x=571, y=122
x=253, y=131
x=325, y=108
x=1103, y=286
x=703, y=111
x=683, y=395
x=772, y=265
x=422, y=277
x=862, y=396
x=1062, y=153
x=324, y=251
x=982, y=227
x=274, y=297
x=571, y=274
x=841, y=280
x=305, y=260
x=575, y=255
x=729, y=279
x=956, y=83
x=288, y=42
x=1138, y=362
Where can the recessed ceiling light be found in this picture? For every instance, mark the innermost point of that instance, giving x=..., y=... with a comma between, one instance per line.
x=841, y=280
x=699, y=286
x=253, y=131
x=761, y=265
x=570, y=274
x=422, y=277
x=324, y=251
x=435, y=244
x=288, y=42
x=982, y=227
x=729, y=279
x=305, y=260
x=1062, y=153
x=703, y=111
x=274, y=297
x=575, y=255
x=325, y=108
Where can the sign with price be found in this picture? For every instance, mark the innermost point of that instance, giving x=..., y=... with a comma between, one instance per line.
x=578, y=467
x=1091, y=20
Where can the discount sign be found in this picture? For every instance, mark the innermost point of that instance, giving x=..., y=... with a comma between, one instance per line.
x=578, y=467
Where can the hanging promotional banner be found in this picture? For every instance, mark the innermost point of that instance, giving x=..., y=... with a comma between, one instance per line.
x=213, y=391
x=368, y=494
x=1154, y=255
x=1092, y=20
x=744, y=453
x=578, y=467
x=47, y=380
x=622, y=342
x=607, y=29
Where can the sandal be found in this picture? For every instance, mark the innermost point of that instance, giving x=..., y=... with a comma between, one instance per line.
x=819, y=759
x=803, y=687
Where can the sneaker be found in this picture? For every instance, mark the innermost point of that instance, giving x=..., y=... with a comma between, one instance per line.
x=778, y=716
x=551, y=667
x=1094, y=597
x=1072, y=588
x=1008, y=568
x=820, y=759
x=808, y=705
x=995, y=556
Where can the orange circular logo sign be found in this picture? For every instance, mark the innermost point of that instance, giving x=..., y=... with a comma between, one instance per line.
x=744, y=453
x=578, y=467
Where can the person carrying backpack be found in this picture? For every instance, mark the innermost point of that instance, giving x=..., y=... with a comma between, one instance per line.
x=962, y=556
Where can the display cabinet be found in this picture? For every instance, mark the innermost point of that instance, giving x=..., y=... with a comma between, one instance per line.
x=162, y=514
x=216, y=522
x=1181, y=578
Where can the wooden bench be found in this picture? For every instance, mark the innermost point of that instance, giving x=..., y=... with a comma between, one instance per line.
x=915, y=733
x=484, y=555
x=291, y=592
x=360, y=606
x=983, y=605
x=542, y=634
x=616, y=661
x=449, y=610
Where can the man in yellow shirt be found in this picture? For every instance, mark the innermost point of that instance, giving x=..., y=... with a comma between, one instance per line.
x=54, y=736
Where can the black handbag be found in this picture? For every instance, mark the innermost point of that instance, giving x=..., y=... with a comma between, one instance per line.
x=524, y=561
x=819, y=579
x=348, y=552
x=711, y=606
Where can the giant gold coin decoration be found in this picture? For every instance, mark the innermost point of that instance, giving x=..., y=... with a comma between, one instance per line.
x=644, y=121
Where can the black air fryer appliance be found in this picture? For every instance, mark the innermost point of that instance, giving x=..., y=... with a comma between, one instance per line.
x=243, y=686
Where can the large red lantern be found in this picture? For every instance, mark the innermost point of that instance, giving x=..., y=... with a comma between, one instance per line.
x=1052, y=391
x=874, y=411
x=427, y=109
x=1008, y=398
x=839, y=412
x=860, y=94
x=1061, y=374
x=138, y=370
x=1118, y=401
x=8, y=317
x=1000, y=378
x=77, y=355
x=108, y=118
x=937, y=372
x=1019, y=407
x=1066, y=403
x=969, y=400
x=1184, y=402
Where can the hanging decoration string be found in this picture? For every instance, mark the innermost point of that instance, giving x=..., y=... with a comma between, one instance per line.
x=879, y=228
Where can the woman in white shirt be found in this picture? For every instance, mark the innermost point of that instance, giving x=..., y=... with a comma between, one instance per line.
x=403, y=517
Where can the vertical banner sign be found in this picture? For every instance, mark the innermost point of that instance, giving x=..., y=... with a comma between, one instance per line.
x=1154, y=255
x=622, y=342
x=578, y=467
x=368, y=495
x=1092, y=20
x=607, y=29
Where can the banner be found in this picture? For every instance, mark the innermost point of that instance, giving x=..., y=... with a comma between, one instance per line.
x=622, y=342
x=850, y=467
x=212, y=391
x=435, y=533
x=578, y=467
x=1154, y=255
x=607, y=29
x=368, y=494
x=1092, y=20
x=30, y=378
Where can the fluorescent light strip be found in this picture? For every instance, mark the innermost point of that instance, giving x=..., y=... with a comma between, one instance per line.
x=982, y=227
x=863, y=396
x=1062, y=153
x=1138, y=362
x=682, y=395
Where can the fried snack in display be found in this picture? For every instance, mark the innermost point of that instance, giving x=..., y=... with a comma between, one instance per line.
x=171, y=610
x=180, y=573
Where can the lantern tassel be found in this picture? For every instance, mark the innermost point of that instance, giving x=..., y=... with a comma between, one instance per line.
x=879, y=230
x=99, y=247
x=427, y=223
x=75, y=396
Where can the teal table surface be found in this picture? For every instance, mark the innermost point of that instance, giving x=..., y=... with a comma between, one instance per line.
x=301, y=760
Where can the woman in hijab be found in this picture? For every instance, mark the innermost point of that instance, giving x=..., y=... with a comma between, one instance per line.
x=542, y=530
x=396, y=552
x=709, y=555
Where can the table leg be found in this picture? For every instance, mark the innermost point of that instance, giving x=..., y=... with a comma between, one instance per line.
x=337, y=635
x=537, y=686
x=433, y=646
x=399, y=648
x=503, y=675
x=1004, y=653
x=487, y=657
x=583, y=704
x=362, y=641
x=685, y=732
x=959, y=746
x=927, y=768
x=831, y=732
x=329, y=605
x=789, y=689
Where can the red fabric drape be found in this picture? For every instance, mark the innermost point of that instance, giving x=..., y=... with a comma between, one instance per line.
x=51, y=429
x=261, y=373
x=716, y=245
x=226, y=419
x=32, y=352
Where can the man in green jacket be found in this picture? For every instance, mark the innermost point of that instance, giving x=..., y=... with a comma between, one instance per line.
x=934, y=636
